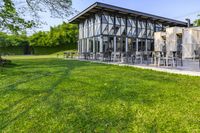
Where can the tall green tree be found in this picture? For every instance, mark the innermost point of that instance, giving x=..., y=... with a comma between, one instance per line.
x=12, y=12
x=197, y=21
x=64, y=34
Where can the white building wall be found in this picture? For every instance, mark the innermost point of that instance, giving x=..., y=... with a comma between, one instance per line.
x=159, y=40
x=191, y=41
x=171, y=38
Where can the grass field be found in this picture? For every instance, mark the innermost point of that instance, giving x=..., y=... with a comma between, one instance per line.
x=55, y=95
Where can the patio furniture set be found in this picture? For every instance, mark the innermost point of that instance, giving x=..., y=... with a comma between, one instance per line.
x=157, y=58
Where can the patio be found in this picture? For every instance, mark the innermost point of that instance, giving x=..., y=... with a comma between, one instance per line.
x=150, y=60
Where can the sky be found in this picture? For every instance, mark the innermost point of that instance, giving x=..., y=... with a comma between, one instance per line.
x=175, y=9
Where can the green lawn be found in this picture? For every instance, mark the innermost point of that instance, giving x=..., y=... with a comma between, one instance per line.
x=55, y=95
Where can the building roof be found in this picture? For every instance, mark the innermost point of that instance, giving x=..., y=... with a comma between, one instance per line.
x=119, y=10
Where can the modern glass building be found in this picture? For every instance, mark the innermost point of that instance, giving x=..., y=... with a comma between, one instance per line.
x=104, y=27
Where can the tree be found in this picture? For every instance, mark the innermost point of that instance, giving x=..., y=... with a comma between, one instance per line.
x=12, y=12
x=197, y=21
x=64, y=34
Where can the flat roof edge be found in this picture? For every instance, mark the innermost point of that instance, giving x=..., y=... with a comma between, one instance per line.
x=103, y=5
x=83, y=12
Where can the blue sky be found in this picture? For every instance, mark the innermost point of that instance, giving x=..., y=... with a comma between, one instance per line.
x=176, y=9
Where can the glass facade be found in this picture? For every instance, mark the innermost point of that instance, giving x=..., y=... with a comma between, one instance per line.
x=117, y=33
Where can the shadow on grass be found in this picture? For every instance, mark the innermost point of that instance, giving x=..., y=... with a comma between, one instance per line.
x=65, y=75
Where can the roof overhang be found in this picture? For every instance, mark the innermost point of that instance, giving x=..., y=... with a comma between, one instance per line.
x=98, y=7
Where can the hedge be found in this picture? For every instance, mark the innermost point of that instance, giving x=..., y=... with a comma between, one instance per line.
x=14, y=50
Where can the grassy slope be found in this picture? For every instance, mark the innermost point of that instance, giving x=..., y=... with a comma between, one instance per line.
x=57, y=95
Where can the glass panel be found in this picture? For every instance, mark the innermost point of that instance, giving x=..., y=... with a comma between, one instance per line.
x=80, y=45
x=118, y=44
x=91, y=28
x=142, y=29
x=97, y=25
x=105, y=43
x=107, y=24
x=150, y=30
x=90, y=44
x=105, y=18
x=86, y=29
x=84, y=45
x=158, y=27
x=121, y=44
x=111, y=25
x=150, y=45
x=141, y=45
x=81, y=31
x=108, y=44
x=131, y=45
x=105, y=28
x=97, y=44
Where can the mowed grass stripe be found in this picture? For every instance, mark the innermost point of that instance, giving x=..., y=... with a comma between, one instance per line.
x=54, y=95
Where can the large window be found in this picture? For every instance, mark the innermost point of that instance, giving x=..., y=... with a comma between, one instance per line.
x=141, y=45
x=84, y=45
x=105, y=43
x=150, y=45
x=97, y=30
x=150, y=30
x=158, y=27
x=81, y=31
x=131, y=44
x=97, y=44
x=131, y=27
x=86, y=28
x=80, y=46
x=90, y=44
x=120, y=26
x=107, y=24
x=141, y=29
x=108, y=43
x=121, y=44
x=91, y=27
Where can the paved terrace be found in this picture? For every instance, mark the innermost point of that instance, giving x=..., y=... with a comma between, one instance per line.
x=190, y=67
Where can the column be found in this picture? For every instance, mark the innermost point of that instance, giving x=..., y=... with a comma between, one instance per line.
x=115, y=48
x=88, y=45
x=82, y=45
x=146, y=44
x=101, y=44
x=78, y=42
x=94, y=48
x=136, y=44
x=126, y=44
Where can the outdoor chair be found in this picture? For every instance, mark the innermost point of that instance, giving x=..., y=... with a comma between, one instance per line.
x=129, y=57
x=147, y=56
x=101, y=56
x=123, y=57
x=138, y=57
x=115, y=57
x=171, y=59
x=159, y=58
x=92, y=56
x=107, y=56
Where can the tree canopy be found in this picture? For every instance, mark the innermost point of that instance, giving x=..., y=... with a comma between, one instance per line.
x=64, y=34
x=197, y=21
x=13, y=40
x=13, y=12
